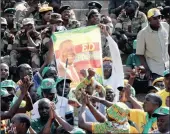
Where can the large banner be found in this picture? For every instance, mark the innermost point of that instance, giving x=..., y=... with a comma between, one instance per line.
x=82, y=48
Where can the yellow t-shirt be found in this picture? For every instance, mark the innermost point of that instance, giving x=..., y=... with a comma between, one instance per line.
x=164, y=94
x=139, y=118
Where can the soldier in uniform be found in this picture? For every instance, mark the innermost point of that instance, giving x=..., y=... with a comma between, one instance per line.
x=44, y=16
x=129, y=23
x=9, y=14
x=56, y=23
x=7, y=40
x=94, y=5
x=27, y=45
x=94, y=18
x=68, y=17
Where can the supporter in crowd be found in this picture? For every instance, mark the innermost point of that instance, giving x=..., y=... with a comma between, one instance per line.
x=4, y=71
x=48, y=90
x=20, y=124
x=159, y=83
x=154, y=60
x=36, y=97
x=164, y=94
x=162, y=120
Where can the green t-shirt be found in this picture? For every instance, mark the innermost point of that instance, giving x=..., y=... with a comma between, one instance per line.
x=133, y=60
x=38, y=125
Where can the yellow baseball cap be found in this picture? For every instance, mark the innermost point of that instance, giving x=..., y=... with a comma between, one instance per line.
x=154, y=12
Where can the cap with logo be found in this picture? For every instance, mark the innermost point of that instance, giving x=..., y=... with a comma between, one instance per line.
x=27, y=21
x=154, y=12
x=95, y=5
x=48, y=85
x=166, y=73
x=3, y=21
x=63, y=8
x=10, y=11
x=162, y=111
x=8, y=83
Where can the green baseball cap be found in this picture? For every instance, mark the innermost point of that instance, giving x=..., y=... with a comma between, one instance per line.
x=162, y=111
x=8, y=83
x=60, y=79
x=4, y=93
x=48, y=85
x=166, y=72
x=46, y=69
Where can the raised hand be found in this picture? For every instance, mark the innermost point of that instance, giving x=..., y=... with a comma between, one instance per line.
x=25, y=85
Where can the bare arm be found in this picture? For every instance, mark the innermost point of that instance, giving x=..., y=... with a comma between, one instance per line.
x=135, y=103
x=64, y=124
x=47, y=127
x=99, y=116
x=82, y=120
x=29, y=105
x=9, y=114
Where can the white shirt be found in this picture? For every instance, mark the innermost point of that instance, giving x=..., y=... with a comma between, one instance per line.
x=60, y=110
x=154, y=46
x=117, y=77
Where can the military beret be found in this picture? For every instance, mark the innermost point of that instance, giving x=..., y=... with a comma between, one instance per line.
x=166, y=11
x=10, y=10
x=63, y=8
x=132, y=2
x=94, y=4
x=91, y=12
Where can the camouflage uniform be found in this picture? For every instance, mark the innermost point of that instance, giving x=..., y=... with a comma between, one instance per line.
x=134, y=25
x=22, y=41
x=6, y=43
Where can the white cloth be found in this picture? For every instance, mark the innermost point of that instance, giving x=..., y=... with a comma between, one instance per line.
x=117, y=77
x=60, y=110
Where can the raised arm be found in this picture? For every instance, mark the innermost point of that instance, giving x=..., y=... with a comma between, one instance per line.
x=13, y=110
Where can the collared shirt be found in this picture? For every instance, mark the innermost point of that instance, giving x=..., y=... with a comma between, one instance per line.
x=154, y=46
x=135, y=25
x=62, y=108
x=164, y=95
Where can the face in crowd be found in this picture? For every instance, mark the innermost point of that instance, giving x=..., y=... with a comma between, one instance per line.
x=60, y=86
x=4, y=71
x=44, y=108
x=151, y=102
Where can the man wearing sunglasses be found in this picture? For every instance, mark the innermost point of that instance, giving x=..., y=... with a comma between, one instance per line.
x=152, y=45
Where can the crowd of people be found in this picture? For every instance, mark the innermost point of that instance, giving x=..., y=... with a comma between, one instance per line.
x=135, y=44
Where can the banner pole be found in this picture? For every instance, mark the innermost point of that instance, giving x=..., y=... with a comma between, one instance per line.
x=64, y=84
